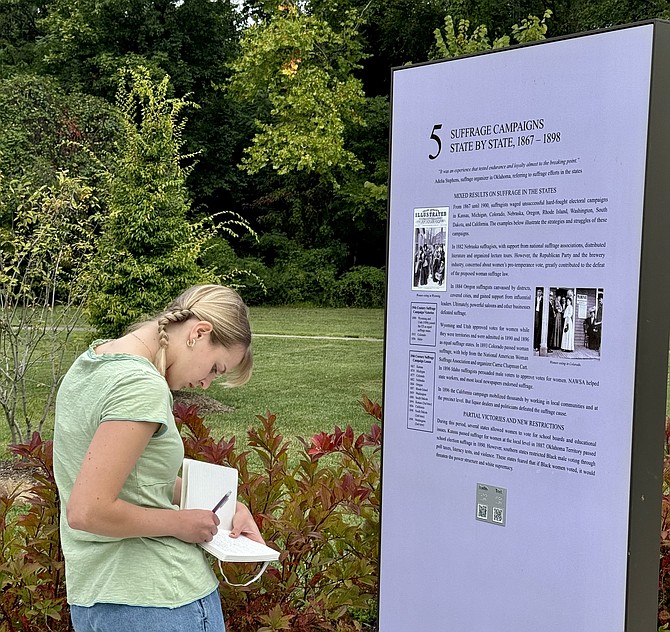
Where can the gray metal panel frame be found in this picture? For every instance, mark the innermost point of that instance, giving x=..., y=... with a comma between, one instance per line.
x=653, y=327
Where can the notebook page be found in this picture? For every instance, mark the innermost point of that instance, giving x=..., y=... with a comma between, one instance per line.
x=239, y=549
x=204, y=484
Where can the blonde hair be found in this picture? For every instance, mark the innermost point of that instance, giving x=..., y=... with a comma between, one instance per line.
x=229, y=316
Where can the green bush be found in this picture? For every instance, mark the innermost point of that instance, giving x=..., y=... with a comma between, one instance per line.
x=219, y=255
x=293, y=275
x=321, y=513
x=248, y=276
x=304, y=278
x=362, y=286
x=44, y=131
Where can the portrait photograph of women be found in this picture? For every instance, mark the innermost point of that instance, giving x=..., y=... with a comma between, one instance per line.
x=568, y=322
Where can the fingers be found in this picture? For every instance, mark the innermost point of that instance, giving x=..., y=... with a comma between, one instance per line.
x=250, y=530
x=210, y=536
x=199, y=525
x=244, y=524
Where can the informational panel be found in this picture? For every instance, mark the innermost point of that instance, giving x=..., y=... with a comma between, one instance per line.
x=517, y=195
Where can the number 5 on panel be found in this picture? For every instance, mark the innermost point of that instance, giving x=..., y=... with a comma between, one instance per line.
x=437, y=139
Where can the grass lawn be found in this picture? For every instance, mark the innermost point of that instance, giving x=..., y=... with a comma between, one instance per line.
x=310, y=384
x=317, y=321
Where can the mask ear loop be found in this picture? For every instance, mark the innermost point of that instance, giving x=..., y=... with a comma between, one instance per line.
x=251, y=581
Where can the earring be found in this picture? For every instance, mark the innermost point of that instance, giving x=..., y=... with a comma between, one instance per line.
x=190, y=343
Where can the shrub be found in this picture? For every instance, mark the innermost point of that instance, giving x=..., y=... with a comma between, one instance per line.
x=304, y=276
x=248, y=276
x=362, y=286
x=148, y=251
x=32, y=570
x=45, y=279
x=322, y=513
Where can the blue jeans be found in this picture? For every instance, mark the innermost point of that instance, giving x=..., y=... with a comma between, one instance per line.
x=203, y=615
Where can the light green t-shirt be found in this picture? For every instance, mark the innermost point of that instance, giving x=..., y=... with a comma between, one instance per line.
x=161, y=571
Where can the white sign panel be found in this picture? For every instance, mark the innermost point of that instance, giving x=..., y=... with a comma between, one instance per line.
x=516, y=192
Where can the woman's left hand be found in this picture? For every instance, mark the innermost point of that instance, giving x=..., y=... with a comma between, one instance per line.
x=244, y=524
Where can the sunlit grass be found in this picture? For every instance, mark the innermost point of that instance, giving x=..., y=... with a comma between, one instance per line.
x=306, y=321
x=311, y=385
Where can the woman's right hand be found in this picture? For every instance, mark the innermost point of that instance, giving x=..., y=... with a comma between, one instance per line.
x=196, y=525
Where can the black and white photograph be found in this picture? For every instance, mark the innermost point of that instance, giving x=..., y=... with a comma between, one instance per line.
x=568, y=322
x=429, y=270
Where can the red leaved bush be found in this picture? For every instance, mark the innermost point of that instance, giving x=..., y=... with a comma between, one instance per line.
x=320, y=509
x=32, y=582
x=323, y=514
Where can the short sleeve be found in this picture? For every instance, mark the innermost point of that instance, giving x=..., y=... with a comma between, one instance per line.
x=138, y=396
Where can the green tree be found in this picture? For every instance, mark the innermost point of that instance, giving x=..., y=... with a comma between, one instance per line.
x=603, y=13
x=358, y=208
x=19, y=33
x=393, y=33
x=459, y=41
x=148, y=251
x=298, y=71
x=569, y=16
x=296, y=74
x=87, y=42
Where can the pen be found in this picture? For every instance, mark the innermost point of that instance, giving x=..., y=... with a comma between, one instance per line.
x=222, y=502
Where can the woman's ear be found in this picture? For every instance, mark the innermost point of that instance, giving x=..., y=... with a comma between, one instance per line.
x=200, y=329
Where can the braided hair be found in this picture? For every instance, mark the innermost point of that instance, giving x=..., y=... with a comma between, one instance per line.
x=225, y=310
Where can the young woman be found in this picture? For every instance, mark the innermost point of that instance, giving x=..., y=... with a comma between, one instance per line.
x=131, y=558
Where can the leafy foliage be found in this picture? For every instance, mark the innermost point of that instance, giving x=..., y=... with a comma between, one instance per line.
x=298, y=71
x=322, y=513
x=44, y=130
x=86, y=43
x=313, y=75
x=45, y=277
x=393, y=32
x=292, y=275
x=19, y=31
x=148, y=252
x=362, y=286
x=32, y=570
x=596, y=14
x=459, y=41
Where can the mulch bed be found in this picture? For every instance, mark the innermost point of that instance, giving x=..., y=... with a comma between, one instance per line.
x=204, y=403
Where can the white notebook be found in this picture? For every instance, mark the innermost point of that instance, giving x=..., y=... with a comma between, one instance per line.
x=203, y=486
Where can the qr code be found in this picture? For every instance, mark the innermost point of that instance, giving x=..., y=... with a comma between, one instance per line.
x=482, y=511
x=498, y=515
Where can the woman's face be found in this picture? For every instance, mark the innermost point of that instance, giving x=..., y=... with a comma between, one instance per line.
x=202, y=363
x=197, y=366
